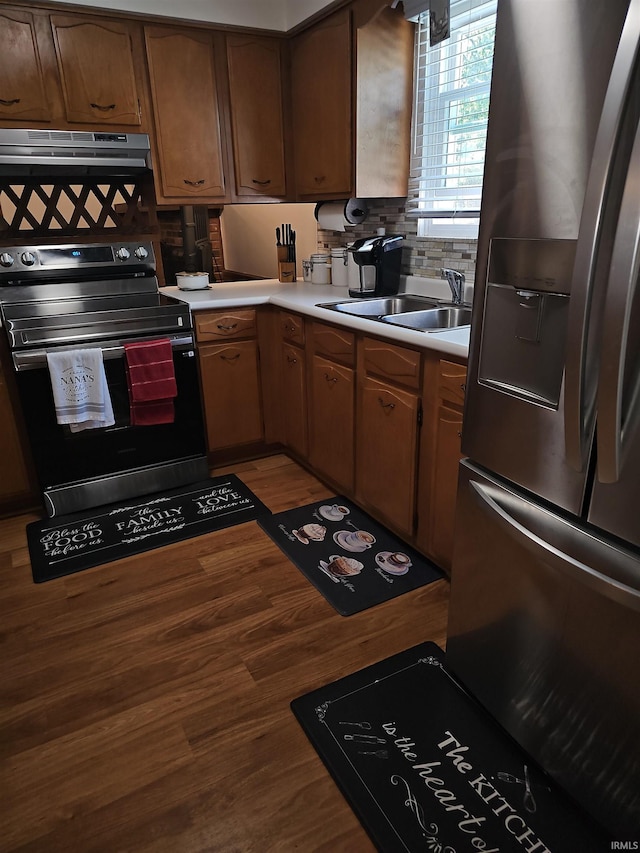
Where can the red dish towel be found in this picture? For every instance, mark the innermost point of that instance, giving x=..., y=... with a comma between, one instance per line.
x=151, y=382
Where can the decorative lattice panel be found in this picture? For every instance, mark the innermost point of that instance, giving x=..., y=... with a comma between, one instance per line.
x=85, y=206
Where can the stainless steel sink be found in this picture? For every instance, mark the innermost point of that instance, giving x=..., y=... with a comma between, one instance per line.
x=432, y=320
x=381, y=307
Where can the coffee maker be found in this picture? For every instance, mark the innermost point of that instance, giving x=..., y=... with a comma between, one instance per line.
x=378, y=261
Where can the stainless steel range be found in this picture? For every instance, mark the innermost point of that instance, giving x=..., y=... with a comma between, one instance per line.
x=104, y=296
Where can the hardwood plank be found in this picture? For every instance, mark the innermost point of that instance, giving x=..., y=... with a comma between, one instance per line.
x=144, y=704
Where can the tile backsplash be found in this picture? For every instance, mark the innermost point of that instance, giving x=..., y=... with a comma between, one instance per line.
x=420, y=256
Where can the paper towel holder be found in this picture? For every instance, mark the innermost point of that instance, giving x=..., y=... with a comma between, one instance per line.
x=354, y=210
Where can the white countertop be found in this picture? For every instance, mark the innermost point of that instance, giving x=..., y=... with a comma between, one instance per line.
x=304, y=298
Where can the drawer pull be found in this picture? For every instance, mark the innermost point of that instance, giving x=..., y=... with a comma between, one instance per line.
x=289, y=328
x=9, y=103
x=463, y=386
x=230, y=357
x=292, y=360
x=386, y=405
x=330, y=378
x=320, y=178
x=104, y=109
x=261, y=183
x=226, y=328
x=194, y=183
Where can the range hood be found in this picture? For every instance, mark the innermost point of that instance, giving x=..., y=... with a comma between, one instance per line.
x=58, y=153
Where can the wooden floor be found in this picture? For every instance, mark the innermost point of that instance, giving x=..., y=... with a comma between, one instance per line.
x=145, y=703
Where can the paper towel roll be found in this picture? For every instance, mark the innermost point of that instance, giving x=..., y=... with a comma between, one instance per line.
x=334, y=215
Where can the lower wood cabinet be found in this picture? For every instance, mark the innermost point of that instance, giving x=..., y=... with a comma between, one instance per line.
x=331, y=421
x=379, y=422
x=230, y=376
x=387, y=438
x=230, y=379
x=444, y=390
x=294, y=398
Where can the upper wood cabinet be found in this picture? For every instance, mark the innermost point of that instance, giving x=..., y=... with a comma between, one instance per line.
x=71, y=70
x=185, y=71
x=22, y=91
x=353, y=146
x=255, y=85
x=321, y=96
x=95, y=60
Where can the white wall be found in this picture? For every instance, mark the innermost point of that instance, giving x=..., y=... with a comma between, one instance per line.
x=249, y=236
x=262, y=14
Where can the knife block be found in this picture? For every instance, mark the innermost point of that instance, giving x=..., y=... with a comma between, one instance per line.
x=286, y=269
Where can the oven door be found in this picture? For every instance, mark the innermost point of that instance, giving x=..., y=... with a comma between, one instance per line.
x=63, y=458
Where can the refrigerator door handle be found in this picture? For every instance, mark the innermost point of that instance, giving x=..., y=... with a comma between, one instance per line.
x=580, y=377
x=623, y=282
x=517, y=516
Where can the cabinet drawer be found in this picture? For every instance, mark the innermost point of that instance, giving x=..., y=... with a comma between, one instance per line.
x=392, y=362
x=212, y=326
x=334, y=343
x=292, y=327
x=452, y=379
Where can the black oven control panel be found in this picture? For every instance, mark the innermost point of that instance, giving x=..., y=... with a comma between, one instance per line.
x=22, y=261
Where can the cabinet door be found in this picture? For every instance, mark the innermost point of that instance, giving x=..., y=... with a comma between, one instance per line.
x=187, y=117
x=445, y=484
x=95, y=58
x=321, y=94
x=331, y=421
x=231, y=391
x=22, y=93
x=256, y=115
x=294, y=398
x=387, y=429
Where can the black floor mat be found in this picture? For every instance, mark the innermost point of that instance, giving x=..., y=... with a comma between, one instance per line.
x=350, y=558
x=70, y=543
x=426, y=769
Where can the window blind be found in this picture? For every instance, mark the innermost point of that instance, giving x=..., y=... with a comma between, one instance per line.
x=450, y=113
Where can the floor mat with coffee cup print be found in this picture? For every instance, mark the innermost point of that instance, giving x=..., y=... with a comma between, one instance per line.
x=351, y=559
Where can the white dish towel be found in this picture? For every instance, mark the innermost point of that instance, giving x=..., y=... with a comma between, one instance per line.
x=80, y=390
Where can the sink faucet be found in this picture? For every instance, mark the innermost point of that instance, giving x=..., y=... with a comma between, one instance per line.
x=456, y=283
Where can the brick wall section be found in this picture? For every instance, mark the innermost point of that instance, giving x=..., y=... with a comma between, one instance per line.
x=420, y=256
x=171, y=232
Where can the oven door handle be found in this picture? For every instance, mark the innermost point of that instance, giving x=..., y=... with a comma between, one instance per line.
x=36, y=359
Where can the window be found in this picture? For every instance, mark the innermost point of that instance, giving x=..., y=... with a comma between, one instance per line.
x=450, y=121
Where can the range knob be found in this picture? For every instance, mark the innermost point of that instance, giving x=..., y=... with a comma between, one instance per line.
x=141, y=253
x=6, y=260
x=28, y=259
x=123, y=254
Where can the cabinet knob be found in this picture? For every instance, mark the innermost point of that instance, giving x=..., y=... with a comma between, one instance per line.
x=230, y=357
x=194, y=183
x=9, y=103
x=320, y=178
x=464, y=386
x=386, y=405
x=103, y=108
x=292, y=360
x=226, y=328
x=330, y=378
x=260, y=183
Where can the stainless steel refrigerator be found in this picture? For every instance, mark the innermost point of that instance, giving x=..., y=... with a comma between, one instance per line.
x=544, y=625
